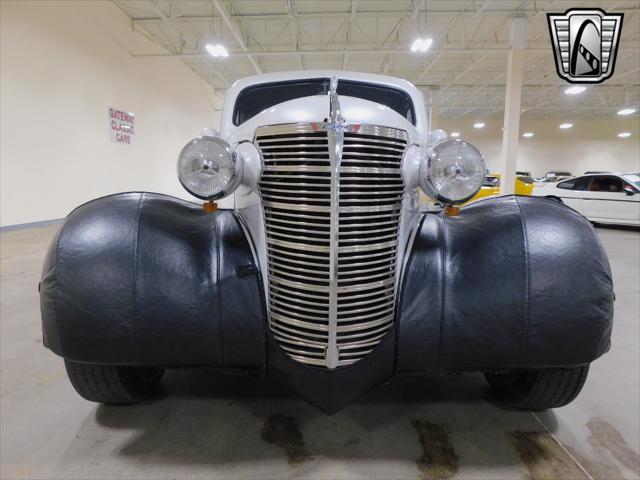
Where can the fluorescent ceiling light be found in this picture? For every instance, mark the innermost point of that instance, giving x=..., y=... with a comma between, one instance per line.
x=421, y=44
x=217, y=50
x=527, y=134
x=576, y=89
x=626, y=111
x=478, y=125
x=624, y=134
x=565, y=126
x=455, y=134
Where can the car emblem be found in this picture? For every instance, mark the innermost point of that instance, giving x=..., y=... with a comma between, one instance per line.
x=338, y=126
x=585, y=43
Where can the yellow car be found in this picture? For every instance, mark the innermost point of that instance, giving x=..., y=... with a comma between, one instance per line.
x=491, y=187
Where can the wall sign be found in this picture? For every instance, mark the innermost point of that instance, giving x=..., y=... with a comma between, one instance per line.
x=121, y=126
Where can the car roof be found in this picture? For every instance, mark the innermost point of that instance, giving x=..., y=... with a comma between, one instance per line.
x=604, y=174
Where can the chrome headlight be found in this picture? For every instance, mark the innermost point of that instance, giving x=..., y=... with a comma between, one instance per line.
x=208, y=168
x=453, y=172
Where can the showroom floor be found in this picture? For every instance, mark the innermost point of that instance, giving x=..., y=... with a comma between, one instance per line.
x=208, y=426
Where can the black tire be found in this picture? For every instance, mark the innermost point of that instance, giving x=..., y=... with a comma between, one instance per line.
x=112, y=385
x=537, y=389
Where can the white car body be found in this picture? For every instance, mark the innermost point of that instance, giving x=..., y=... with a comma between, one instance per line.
x=599, y=197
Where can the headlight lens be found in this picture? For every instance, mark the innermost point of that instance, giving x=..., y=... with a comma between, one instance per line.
x=208, y=168
x=453, y=172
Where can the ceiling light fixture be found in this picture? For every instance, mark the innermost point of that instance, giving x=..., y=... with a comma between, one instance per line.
x=566, y=126
x=455, y=134
x=421, y=44
x=527, y=134
x=626, y=111
x=575, y=90
x=216, y=50
x=478, y=125
x=624, y=134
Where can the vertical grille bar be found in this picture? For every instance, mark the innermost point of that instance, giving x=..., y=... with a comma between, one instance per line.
x=332, y=202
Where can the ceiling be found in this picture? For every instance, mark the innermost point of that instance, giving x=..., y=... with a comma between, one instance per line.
x=464, y=72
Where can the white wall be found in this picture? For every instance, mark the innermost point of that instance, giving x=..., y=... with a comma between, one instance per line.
x=592, y=144
x=62, y=65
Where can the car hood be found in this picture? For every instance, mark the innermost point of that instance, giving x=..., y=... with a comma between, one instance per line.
x=316, y=109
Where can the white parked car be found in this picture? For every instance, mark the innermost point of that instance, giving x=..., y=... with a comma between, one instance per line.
x=612, y=198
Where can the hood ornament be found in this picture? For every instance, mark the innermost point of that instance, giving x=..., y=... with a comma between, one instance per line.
x=335, y=116
x=336, y=122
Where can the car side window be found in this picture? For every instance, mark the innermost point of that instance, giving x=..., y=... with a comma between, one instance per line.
x=582, y=183
x=606, y=184
x=491, y=182
x=568, y=184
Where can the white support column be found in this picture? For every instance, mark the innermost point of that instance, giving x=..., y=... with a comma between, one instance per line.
x=511, y=127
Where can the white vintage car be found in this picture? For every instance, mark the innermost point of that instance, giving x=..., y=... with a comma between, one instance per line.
x=325, y=275
x=610, y=198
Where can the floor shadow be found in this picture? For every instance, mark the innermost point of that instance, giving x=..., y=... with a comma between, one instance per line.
x=203, y=417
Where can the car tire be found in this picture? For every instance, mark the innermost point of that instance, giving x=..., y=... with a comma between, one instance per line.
x=113, y=385
x=537, y=389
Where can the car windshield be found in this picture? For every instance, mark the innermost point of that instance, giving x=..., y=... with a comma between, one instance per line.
x=633, y=179
x=491, y=182
x=257, y=98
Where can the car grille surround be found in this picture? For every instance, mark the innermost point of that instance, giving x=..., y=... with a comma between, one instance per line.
x=332, y=202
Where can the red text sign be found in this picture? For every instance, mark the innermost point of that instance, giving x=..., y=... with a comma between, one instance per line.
x=121, y=126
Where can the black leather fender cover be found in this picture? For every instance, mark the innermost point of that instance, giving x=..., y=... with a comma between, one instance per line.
x=147, y=279
x=511, y=282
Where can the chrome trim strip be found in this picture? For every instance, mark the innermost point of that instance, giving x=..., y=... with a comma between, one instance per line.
x=386, y=291
x=370, y=255
x=351, y=336
x=399, y=149
x=336, y=141
x=279, y=328
x=301, y=206
x=298, y=168
x=287, y=130
x=365, y=325
x=284, y=139
x=294, y=245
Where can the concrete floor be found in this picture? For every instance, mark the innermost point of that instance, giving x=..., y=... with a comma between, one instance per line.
x=208, y=426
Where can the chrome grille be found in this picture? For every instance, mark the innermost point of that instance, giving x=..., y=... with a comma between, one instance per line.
x=319, y=216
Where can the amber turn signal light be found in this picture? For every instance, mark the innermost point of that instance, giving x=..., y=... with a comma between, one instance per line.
x=210, y=207
x=451, y=211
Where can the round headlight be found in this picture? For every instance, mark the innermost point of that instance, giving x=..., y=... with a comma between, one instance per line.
x=208, y=168
x=453, y=172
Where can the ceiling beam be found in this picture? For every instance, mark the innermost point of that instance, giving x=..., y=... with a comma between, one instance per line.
x=340, y=51
x=350, y=22
x=494, y=107
x=418, y=76
x=361, y=14
x=236, y=33
x=466, y=70
x=295, y=33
